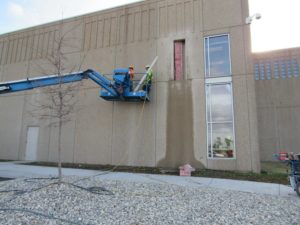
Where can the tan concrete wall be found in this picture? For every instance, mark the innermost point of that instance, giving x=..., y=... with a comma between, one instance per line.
x=168, y=131
x=278, y=102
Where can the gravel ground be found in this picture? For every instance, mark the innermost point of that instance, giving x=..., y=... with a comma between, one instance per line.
x=43, y=201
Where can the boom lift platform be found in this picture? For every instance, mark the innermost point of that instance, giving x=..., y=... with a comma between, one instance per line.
x=120, y=89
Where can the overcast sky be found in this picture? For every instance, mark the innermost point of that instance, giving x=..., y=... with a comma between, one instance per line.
x=18, y=14
x=278, y=27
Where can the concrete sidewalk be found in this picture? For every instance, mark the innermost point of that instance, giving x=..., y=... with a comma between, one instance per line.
x=16, y=170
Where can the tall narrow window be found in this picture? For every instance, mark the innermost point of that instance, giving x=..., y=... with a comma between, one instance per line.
x=262, y=71
x=220, y=130
x=179, y=52
x=219, y=104
x=282, y=69
x=256, y=71
x=276, y=70
x=289, y=68
x=217, y=56
x=268, y=71
x=295, y=68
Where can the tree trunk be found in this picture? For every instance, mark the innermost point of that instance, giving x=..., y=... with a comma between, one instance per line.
x=59, y=140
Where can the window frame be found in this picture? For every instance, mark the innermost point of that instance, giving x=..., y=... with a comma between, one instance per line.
x=207, y=75
x=219, y=81
x=211, y=80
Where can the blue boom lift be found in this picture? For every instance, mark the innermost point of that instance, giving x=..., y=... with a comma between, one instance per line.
x=120, y=89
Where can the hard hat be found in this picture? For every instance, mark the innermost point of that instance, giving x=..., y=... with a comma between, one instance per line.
x=147, y=66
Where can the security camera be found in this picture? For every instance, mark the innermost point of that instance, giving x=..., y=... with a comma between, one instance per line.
x=250, y=18
x=257, y=16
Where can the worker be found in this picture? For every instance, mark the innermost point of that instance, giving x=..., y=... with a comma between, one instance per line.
x=148, y=80
x=131, y=76
x=131, y=72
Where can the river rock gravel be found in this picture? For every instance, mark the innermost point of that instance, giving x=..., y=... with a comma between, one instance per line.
x=95, y=201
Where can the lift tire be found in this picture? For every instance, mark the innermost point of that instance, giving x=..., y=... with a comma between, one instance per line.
x=298, y=188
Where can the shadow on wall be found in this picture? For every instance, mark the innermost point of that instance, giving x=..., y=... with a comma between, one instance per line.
x=180, y=137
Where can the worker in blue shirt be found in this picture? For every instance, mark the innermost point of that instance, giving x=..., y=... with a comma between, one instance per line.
x=148, y=80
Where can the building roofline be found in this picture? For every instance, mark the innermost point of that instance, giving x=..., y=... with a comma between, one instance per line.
x=282, y=51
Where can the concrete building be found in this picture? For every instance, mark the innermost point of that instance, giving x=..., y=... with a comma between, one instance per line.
x=278, y=101
x=203, y=108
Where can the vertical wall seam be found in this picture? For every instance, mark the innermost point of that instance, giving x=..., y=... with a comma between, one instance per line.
x=24, y=44
x=74, y=137
x=110, y=38
x=149, y=23
x=156, y=85
x=6, y=53
x=18, y=50
x=11, y=51
x=83, y=35
x=91, y=32
x=141, y=24
x=40, y=42
x=96, y=34
x=30, y=46
x=1, y=51
x=22, y=120
x=46, y=43
x=96, y=39
x=206, y=126
x=22, y=41
x=247, y=88
x=113, y=103
x=126, y=26
x=21, y=130
x=27, y=47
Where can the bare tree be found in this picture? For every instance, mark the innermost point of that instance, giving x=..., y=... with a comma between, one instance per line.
x=60, y=103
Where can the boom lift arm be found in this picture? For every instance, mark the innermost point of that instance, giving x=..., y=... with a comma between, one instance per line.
x=119, y=90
